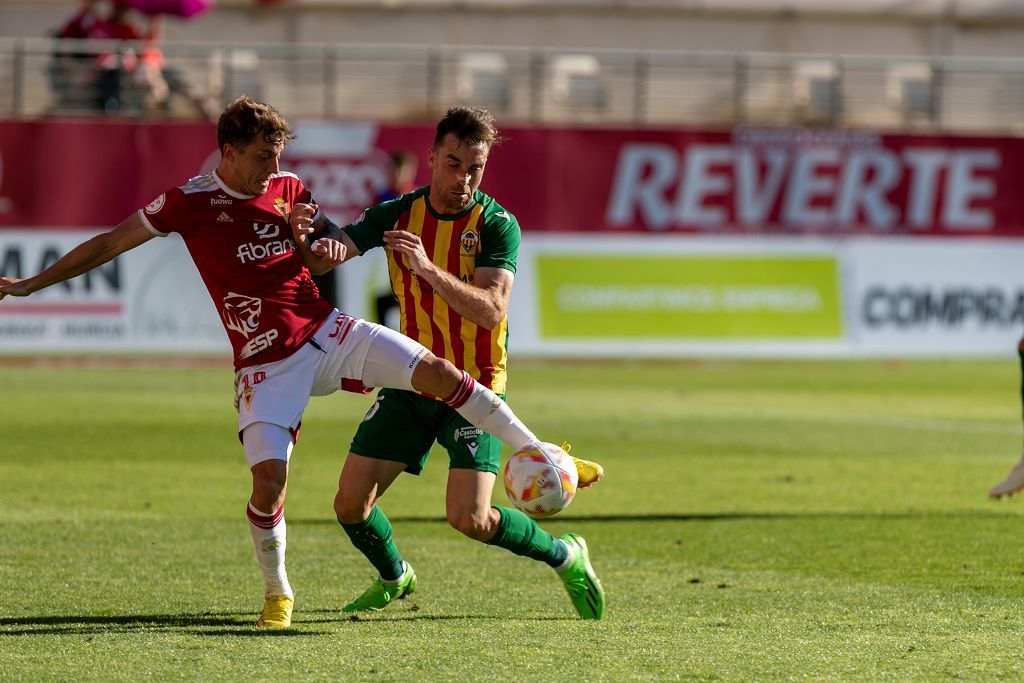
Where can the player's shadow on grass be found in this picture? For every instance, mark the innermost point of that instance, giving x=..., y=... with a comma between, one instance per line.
x=414, y=614
x=703, y=517
x=73, y=624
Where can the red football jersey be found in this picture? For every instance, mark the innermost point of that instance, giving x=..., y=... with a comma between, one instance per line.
x=243, y=248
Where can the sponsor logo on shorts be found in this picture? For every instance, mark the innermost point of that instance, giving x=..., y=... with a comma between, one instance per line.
x=373, y=409
x=416, y=358
x=472, y=433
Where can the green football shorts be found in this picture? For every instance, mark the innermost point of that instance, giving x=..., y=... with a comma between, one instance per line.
x=403, y=425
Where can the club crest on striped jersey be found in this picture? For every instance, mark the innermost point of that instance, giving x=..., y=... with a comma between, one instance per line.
x=469, y=240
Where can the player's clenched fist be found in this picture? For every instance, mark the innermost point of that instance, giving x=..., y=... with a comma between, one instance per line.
x=301, y=220
x=330, y=252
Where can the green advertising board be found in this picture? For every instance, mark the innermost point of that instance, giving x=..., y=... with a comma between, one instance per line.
x=757, y=296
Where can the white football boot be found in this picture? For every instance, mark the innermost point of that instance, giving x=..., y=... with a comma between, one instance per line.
x=1013, y=483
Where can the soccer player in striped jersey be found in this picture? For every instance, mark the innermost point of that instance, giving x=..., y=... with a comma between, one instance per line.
x=451, y=253
x=288, y=343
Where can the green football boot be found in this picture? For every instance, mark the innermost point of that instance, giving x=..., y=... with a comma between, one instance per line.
x=580, y=581
x=381, y=592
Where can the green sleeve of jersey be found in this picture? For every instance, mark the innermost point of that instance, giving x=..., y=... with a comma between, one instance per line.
x=499, y=241
x=368, y=230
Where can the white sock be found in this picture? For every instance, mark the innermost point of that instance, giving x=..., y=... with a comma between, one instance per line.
x=484, y=409
x=569, y=555
x=269, y=537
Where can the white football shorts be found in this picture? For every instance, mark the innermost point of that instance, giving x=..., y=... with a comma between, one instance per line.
x=345, y=353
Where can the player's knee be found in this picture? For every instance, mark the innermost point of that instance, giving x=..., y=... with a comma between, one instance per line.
x=268, y=488
x=474, y=524
x=351, y=509
x=436, y=376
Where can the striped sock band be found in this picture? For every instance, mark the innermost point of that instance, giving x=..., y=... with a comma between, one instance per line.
x=462, y=392
x=262, y=519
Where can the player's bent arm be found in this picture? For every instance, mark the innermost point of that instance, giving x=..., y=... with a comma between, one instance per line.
x=313, y=239
x=94, y=252
x=484, y=302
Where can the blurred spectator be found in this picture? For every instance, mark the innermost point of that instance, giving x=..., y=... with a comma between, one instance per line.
x=113, y=66
x=403, y=175
x=72, y=74
x=160, y=84
x=87, y=77
x=131, y=79
x=81, y=23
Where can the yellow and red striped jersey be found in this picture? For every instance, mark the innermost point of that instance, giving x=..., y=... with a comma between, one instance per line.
x=484, y=235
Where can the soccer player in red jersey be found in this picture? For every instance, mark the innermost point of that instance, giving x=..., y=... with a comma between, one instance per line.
x=288, y=342
x=452, y=254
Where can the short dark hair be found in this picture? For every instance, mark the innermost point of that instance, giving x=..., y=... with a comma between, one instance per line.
x=471, y=125
x=245, y=120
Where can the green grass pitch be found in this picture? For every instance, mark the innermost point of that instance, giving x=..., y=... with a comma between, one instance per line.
x=760, y=520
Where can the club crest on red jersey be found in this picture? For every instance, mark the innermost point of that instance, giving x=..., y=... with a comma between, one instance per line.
x=282, y=206
x=469, y=240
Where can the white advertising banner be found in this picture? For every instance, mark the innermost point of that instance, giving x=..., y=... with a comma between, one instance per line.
x=148, y=300
x=589, y=296
x=935, y=296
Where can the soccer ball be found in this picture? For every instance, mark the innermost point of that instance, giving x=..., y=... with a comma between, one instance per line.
x=540, y=479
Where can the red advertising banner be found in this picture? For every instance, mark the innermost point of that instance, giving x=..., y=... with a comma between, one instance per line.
x=67, y=174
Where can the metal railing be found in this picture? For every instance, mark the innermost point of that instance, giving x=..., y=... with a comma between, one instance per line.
x=43, y=77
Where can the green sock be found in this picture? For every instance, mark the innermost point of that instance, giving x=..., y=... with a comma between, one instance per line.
x=521, y=535
x=372, y=538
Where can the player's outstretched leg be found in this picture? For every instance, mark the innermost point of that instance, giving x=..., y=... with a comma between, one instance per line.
x=567, y=555
x=581, y=583
x=380, y=593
